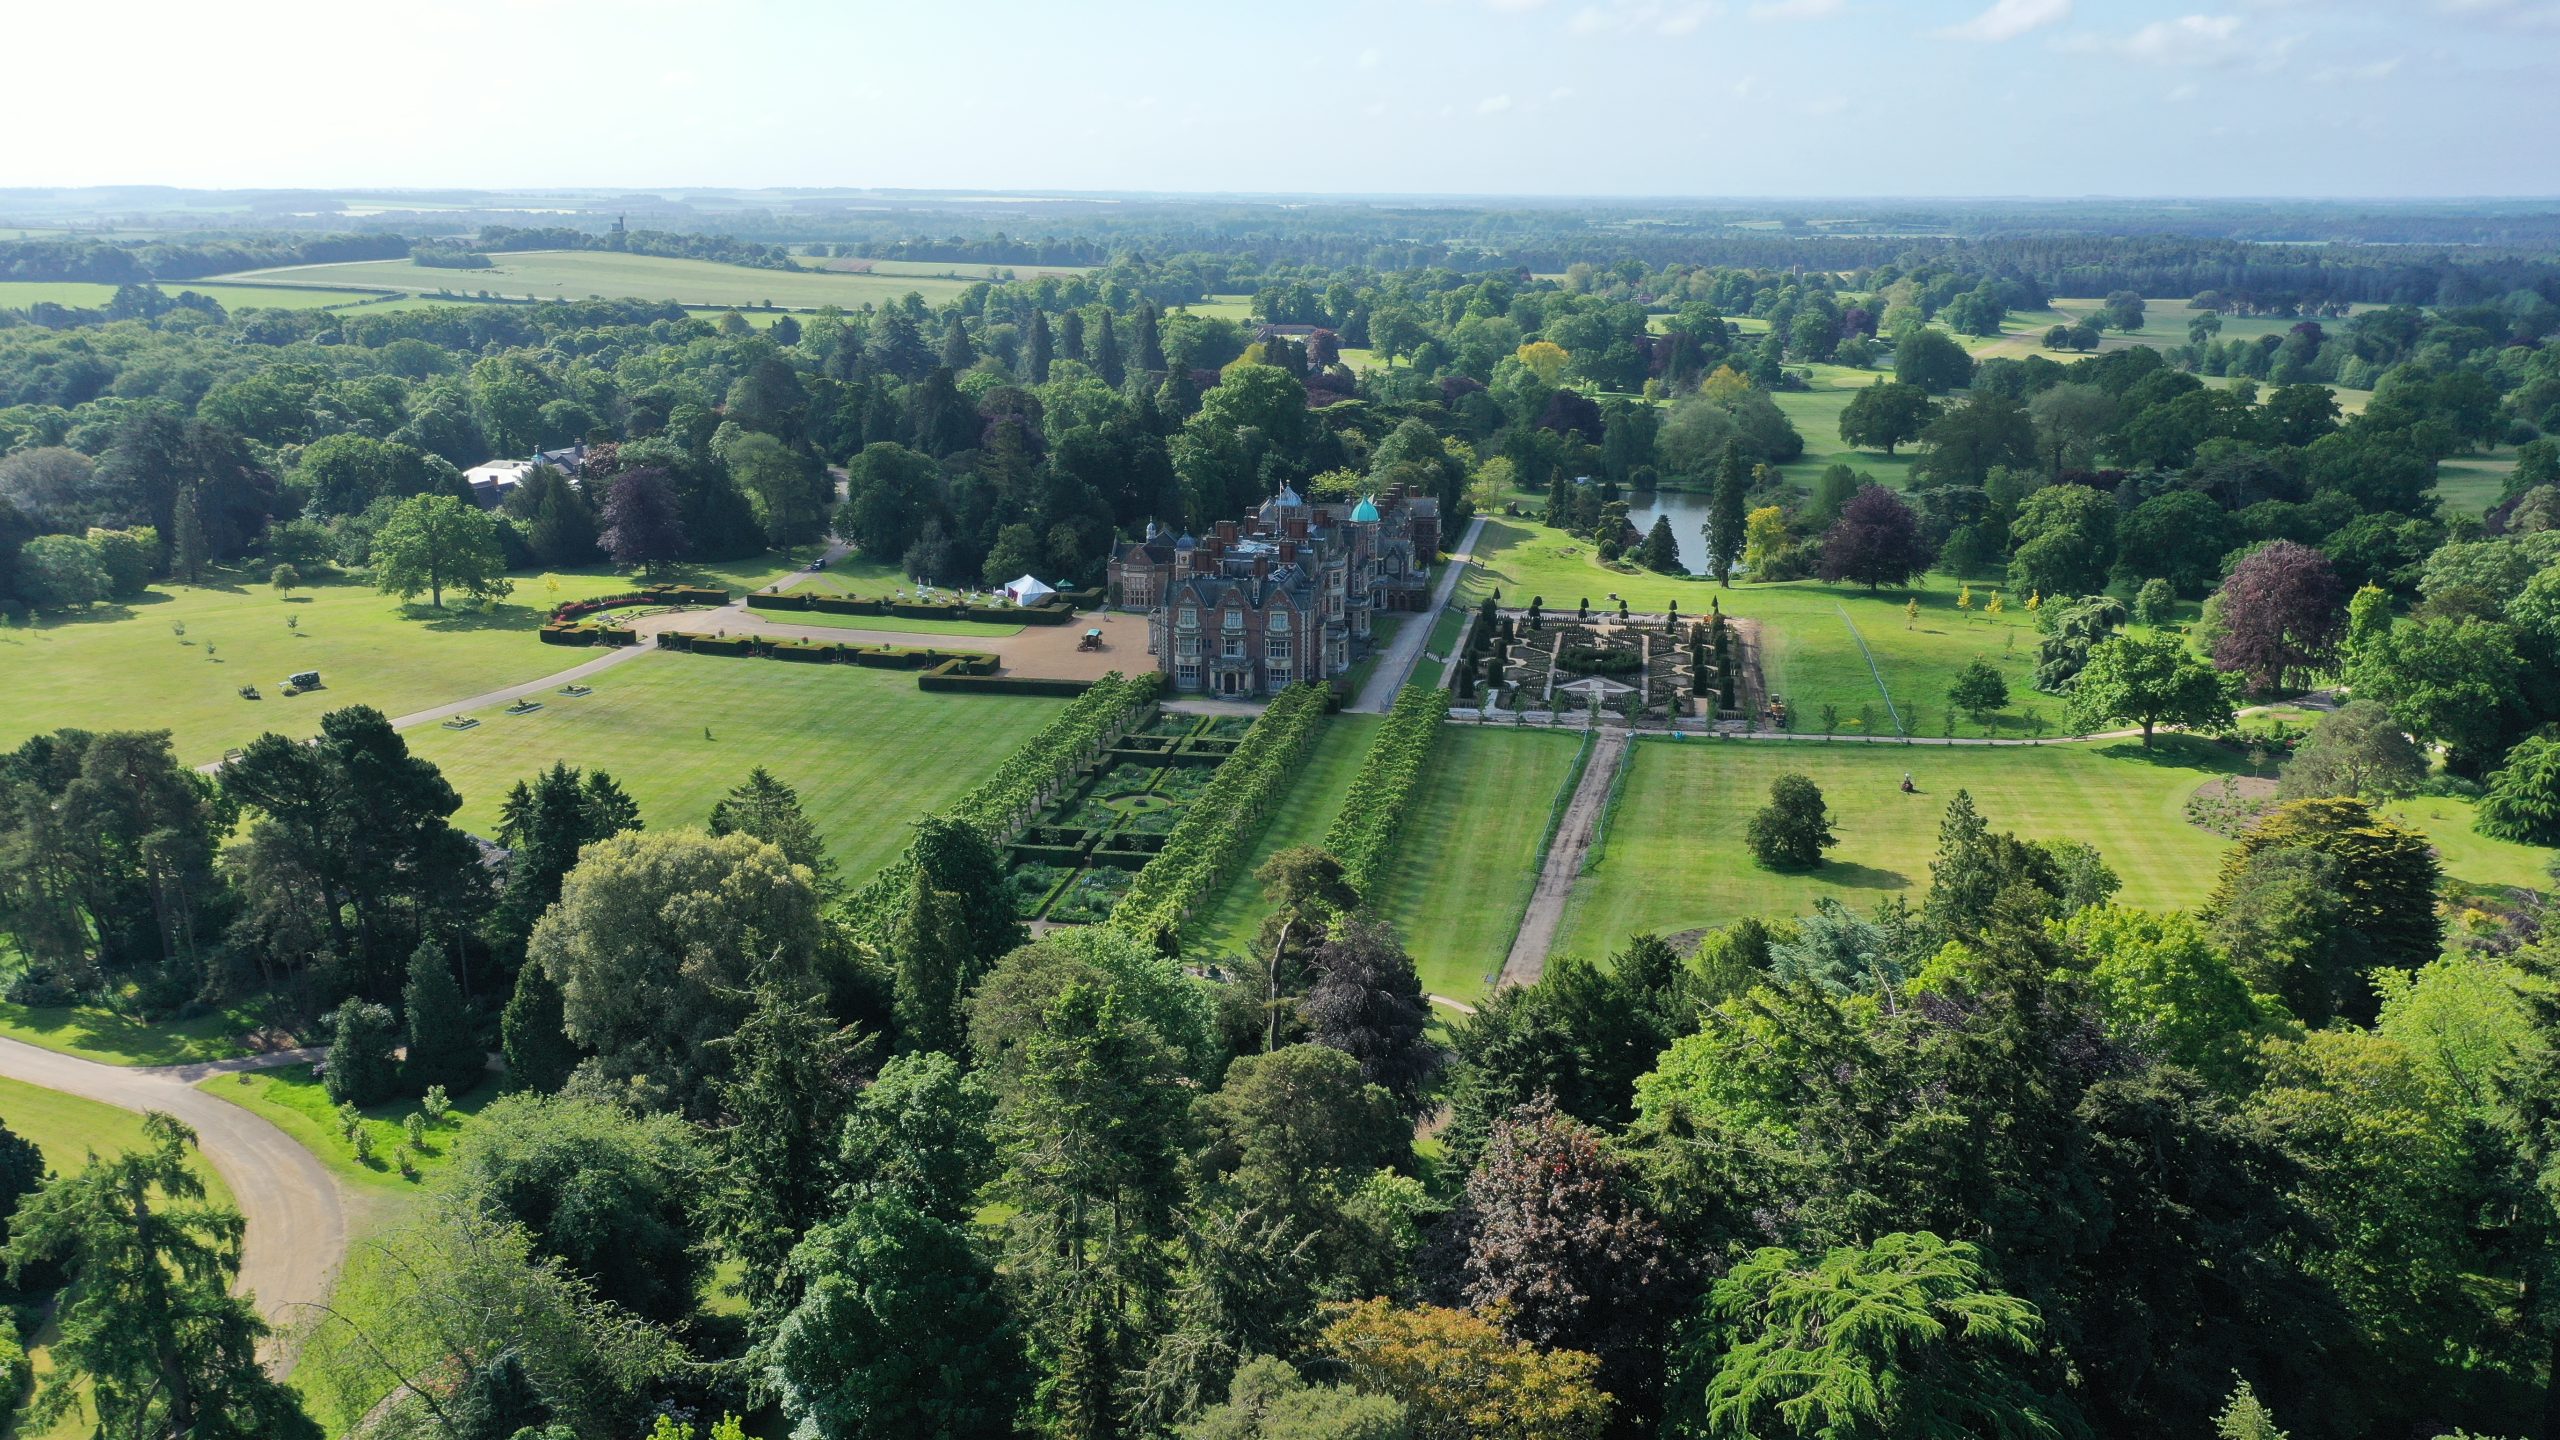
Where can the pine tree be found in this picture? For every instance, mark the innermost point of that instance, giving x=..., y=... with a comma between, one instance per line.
x=1071, y=335
x=1035, y=353
x=1148, y=338
x=540, y=1054
x=792, y=1082
x=957, y=352
x=2246, y=1418
x=770, y=811
x=1725, y=516
x=442, y=1049
x=192, y=548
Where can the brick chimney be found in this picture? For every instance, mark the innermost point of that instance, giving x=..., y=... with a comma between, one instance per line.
x=1288, y=552
x=1226, y=533
x=1261, y=567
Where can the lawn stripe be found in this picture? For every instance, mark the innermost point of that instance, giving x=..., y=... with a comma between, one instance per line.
x=1871, y=667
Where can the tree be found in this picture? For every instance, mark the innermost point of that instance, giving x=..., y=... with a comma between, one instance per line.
x=1931, y=362
x=2156, y=605
x=918, y=1135
x=1979, y=690
x=1886, y=415
x=285, y=579
x=2373, y=883
x=775, y=482
x=2523, y=799
x=770, y=811
x=362, y=1069
x=1460, y=1377
x=1367, y=1002
x=2283, y=609
x=435, y=542
x=1726, y=515
x=60, y=572
x=544, y=825
x=148, y=1327
x=900, y=1330
x=643, y=523
x=611, y=1194
x=2149, y=682
x=1268, y=1400
x=535, y=1037
x=2066, y=539
x=947, y=937
x=2070, y=420
x=191, y=549
x=2072, y=629
x=2357, y=749
x=1660, y=551
x=782, y=1106
x=2161, y=983
x=1911, y=1335
x=1794, y=828
x=1875, y=542
x=2451, y=679
x=655, y=939
x=442, y=1048
x=22, y=1174
x=1562, y=1250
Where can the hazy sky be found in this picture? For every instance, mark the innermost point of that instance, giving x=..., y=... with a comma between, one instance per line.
x=1575, y=97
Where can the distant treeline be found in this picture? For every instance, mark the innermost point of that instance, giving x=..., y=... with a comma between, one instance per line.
x=727, y=249
x=109, y=262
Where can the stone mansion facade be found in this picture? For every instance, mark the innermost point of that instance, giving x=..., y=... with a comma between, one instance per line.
x=1285, y=595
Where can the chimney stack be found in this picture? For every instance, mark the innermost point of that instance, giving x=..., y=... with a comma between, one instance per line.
x=1288, y=552
x=1261, y=567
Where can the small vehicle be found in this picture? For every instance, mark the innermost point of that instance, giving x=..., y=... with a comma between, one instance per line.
x=303, y=680
x=1092, y=640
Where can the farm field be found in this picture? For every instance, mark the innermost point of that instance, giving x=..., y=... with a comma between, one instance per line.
x=1470, y=851
x=579, y=274
x=20, y=294
x=1810, y=632
x=939, y=269
x=1315, y=797
x=866, y=749
x=126, y=663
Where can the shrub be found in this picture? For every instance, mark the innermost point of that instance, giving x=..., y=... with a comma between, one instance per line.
x=2523, y=799
x=16, y=1374
x=415, y=1127
x=1598, y=660
x=362, y=1036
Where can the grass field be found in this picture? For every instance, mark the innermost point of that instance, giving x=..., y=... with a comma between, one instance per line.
x=294, y=1102
x=941, y=269
x=1315, y=797
x=866, y=749
x=1470, y=851
x=860, y=586
x=581, y=274
x=1673, y=860
x=125, y=664
x=1815, y=412
x=1810, y=631
x=2468, y=485
x=20, y=294
x=112, y=1039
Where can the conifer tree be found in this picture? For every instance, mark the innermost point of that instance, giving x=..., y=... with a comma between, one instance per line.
x=1106, y=353
x=1071, y=335
x=770, y=811
x=1726, y=516
x=442, y=1049
x=191, y=548
x=1036, y=351
x=957, y=353
x=1148, y=338
x=534, y=1034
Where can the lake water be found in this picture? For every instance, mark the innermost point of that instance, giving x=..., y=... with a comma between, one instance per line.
x=1688, y=512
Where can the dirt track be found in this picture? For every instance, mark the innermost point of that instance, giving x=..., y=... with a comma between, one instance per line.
x=1527, y=963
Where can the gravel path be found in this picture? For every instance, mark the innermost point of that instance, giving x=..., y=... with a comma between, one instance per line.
x=1527, y=962
x=296, y=1211
x=1395, y=668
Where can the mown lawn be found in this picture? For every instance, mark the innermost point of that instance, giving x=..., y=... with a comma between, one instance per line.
x=1226, y=930
x=293, y=1100
x=866, y=749
x=1673, y=857
x=175, y=657
x=1470, y=851
x=2468, y=855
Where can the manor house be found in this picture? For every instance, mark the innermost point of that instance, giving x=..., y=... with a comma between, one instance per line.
x=1286, y=594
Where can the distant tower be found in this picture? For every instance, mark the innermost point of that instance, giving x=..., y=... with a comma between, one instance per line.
x=619, y=237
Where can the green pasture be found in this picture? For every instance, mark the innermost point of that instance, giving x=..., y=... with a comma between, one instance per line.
x=582, y=274
x=1810, y=632
x=866, y=749
x=1315, y=796
x=967, y=273
x=2468, y=855
x=126, y=663
x=1672, y=857
x=295, y=1102
x=2468, y=485
x=21, y=294
x=110, y=1038
x=1470, y=851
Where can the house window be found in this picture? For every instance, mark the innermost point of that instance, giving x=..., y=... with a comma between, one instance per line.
x=1277, y=651
x=1187, y=674
x=1187, y=647
x=1190, y=618
x=1234, y=647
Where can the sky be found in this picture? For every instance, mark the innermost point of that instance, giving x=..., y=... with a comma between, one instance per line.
x=2426, y=98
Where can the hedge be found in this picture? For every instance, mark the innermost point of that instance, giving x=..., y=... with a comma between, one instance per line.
x=1222, y=824
x=913, y=609
x=653, y=595
x=1383, y=793
x=945, y=677
x=1005, y=802
x=842, y=652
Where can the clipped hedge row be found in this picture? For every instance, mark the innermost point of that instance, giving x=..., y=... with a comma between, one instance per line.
x=913, y=609
x=1005, y=802
x=946, y=677
x=653, y=595
x=1364, y=834
x=588, y=633
x=834, y=652
x=1223, y=823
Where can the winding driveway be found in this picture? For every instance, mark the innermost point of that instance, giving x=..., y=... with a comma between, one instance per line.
x=297, y=1213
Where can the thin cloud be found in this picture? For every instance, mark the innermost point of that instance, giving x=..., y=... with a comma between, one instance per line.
x=1493, y=104
x=2187, y=42
x=1796, y=9
x=2009, y=19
